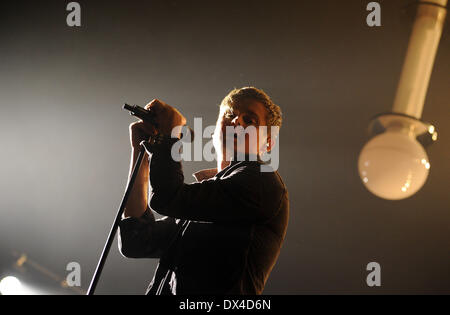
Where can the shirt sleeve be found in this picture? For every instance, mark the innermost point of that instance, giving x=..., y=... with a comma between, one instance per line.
x=145, y=237
x=239, y=197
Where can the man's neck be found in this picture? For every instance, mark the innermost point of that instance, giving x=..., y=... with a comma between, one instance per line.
x=222, y=163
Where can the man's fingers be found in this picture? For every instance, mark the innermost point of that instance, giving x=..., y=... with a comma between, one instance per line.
x=166, y=116
x=155, y=105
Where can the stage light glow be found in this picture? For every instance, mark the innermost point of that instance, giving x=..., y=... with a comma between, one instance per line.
x=10, y=286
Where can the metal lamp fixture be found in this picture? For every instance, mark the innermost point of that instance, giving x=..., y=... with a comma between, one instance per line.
x=394, y=165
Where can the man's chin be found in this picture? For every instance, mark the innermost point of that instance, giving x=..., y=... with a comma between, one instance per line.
x=240, y=155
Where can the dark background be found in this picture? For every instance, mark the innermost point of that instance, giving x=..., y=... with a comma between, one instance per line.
x=65, y=150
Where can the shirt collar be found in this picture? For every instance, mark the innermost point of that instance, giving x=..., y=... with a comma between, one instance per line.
x=205, y=174
x=211, y=172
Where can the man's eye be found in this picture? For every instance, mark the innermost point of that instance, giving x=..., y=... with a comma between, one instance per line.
x=248, y=120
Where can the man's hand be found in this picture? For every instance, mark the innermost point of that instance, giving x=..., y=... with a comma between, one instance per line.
x=166, y=118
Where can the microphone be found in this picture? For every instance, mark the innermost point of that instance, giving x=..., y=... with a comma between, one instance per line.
x=148, y=116
x=141, y=113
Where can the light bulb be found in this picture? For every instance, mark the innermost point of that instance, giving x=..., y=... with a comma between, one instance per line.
x=393, y=165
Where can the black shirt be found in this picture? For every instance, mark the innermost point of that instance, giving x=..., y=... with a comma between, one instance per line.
x=222, y=235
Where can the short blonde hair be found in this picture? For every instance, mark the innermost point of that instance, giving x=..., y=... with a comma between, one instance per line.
x=274, y=115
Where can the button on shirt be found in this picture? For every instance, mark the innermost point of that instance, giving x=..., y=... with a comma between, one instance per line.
x=220, y=235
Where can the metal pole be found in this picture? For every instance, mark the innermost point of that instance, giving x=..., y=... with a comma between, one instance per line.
x=115, y=225
x=423, y=45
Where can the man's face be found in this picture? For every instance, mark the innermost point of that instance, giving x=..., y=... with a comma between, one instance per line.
x=242, y=129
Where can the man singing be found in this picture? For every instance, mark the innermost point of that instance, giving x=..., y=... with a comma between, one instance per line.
x=222, y=234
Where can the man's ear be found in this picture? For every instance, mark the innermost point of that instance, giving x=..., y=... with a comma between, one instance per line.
x=270, y=143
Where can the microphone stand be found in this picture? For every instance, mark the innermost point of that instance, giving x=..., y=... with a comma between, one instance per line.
x=144, y=115
x=115, y=225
